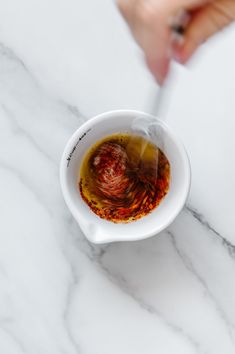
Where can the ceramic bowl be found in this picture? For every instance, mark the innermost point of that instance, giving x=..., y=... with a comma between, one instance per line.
x=98, y=230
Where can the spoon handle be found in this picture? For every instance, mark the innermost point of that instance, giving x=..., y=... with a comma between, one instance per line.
x=158, y=108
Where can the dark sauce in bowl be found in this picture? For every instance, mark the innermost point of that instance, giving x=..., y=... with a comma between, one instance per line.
x=124, y=177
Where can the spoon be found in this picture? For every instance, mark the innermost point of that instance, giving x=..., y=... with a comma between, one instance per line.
x=160, y=102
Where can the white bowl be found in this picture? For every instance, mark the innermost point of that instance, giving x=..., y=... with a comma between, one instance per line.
x=98, y=230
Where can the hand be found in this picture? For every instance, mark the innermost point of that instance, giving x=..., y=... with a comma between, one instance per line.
x=149, y=21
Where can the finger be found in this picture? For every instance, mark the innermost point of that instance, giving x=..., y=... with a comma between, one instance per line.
x=125, y=8
x=159, y=68
x=204, y=23
x=156, y=43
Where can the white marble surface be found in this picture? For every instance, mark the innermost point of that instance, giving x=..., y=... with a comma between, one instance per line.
x=62, y=62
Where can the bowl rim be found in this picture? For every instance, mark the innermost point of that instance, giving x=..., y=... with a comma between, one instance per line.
x=101, y=117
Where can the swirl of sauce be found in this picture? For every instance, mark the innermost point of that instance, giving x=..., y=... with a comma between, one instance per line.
x=110, y=164
x=126, y=188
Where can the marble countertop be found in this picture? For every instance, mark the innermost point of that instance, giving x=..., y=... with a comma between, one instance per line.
x=62, y=62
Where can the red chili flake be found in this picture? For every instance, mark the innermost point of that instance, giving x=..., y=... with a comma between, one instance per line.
x=121, y=190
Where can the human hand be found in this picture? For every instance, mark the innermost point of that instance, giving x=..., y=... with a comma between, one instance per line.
x=150, y=22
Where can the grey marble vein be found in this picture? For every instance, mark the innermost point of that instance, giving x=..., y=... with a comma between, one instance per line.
x=18, y=343
x=202, y=220
x=71, y=287
x=123, y=285
x=27, y=184
x=74, y=110
x=70, y=294
x=95, y=255
x=7, y=52
x=190, y=267
x=18, y=129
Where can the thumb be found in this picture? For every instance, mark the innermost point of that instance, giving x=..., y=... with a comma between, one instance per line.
x=203, y=24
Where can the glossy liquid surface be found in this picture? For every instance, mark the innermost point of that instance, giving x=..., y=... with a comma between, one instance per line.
x=124, y=177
